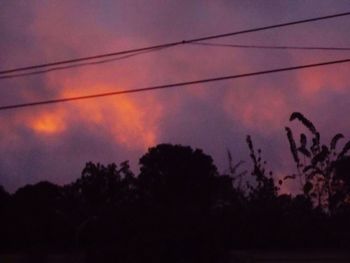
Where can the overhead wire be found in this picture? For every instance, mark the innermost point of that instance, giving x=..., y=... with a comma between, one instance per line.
x=173, y=85
x=213, y=44
x=171, y=44
x=83, y=64
x=320, y=48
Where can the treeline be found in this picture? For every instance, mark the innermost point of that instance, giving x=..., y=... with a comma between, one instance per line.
x=180, y=209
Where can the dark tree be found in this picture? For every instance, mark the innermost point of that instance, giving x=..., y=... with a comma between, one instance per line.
x=100, y=186
x=98, y=201
x=177, y=175
x=341, y=184
x=4, y=206
x=180, y=188
x=263, y=188
x=264, y=210
x=37, y=217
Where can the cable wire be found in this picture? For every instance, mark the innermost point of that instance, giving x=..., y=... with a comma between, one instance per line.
x=11, y=76
x=186, y=83
x=272, y=47
x=171, y=44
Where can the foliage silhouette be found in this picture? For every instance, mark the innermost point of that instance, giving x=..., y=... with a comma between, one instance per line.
x=180, y=208
x=265, y=186
x=317, y=170
x=182, y=189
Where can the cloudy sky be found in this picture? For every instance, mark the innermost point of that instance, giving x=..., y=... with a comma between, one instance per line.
x=53, y=142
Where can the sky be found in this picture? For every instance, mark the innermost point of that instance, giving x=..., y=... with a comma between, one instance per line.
x=54, y=142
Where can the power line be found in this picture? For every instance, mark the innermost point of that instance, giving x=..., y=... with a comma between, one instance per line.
x=11, y=76
x=272, y=47
x=186, y=83
x=171, y=44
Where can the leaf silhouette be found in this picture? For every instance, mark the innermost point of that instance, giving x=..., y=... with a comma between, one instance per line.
x=304, y=151
x=303, y=120
x=346, y=148
x=315, y=147
x=303, y=140
x=293, y=147
x=335, y=140
x=321, y=156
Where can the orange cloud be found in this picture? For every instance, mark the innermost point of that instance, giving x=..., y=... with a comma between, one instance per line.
x=131, y=121
x=48, y=123
x=128, y=121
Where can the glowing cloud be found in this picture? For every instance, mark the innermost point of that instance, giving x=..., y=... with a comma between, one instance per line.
x=49, y=123
x=129, y=121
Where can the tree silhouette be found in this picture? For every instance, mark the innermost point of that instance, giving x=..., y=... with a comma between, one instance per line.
x=341, y=184
x=179, y=208
x=265, y=186
x=264, y=208
x=316, y=165
x=181, y=189
x=177, y=175
x=101, y=186
x=96, y=203
x=36, y=214
x=4, y=206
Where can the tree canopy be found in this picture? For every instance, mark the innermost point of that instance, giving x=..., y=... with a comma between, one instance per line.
x=180, y=208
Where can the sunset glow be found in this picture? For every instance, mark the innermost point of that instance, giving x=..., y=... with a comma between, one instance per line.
x=129, y=121
x=213, y=116
x=48, y=123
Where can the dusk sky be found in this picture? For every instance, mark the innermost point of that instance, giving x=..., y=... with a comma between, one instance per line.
x=54, y=142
